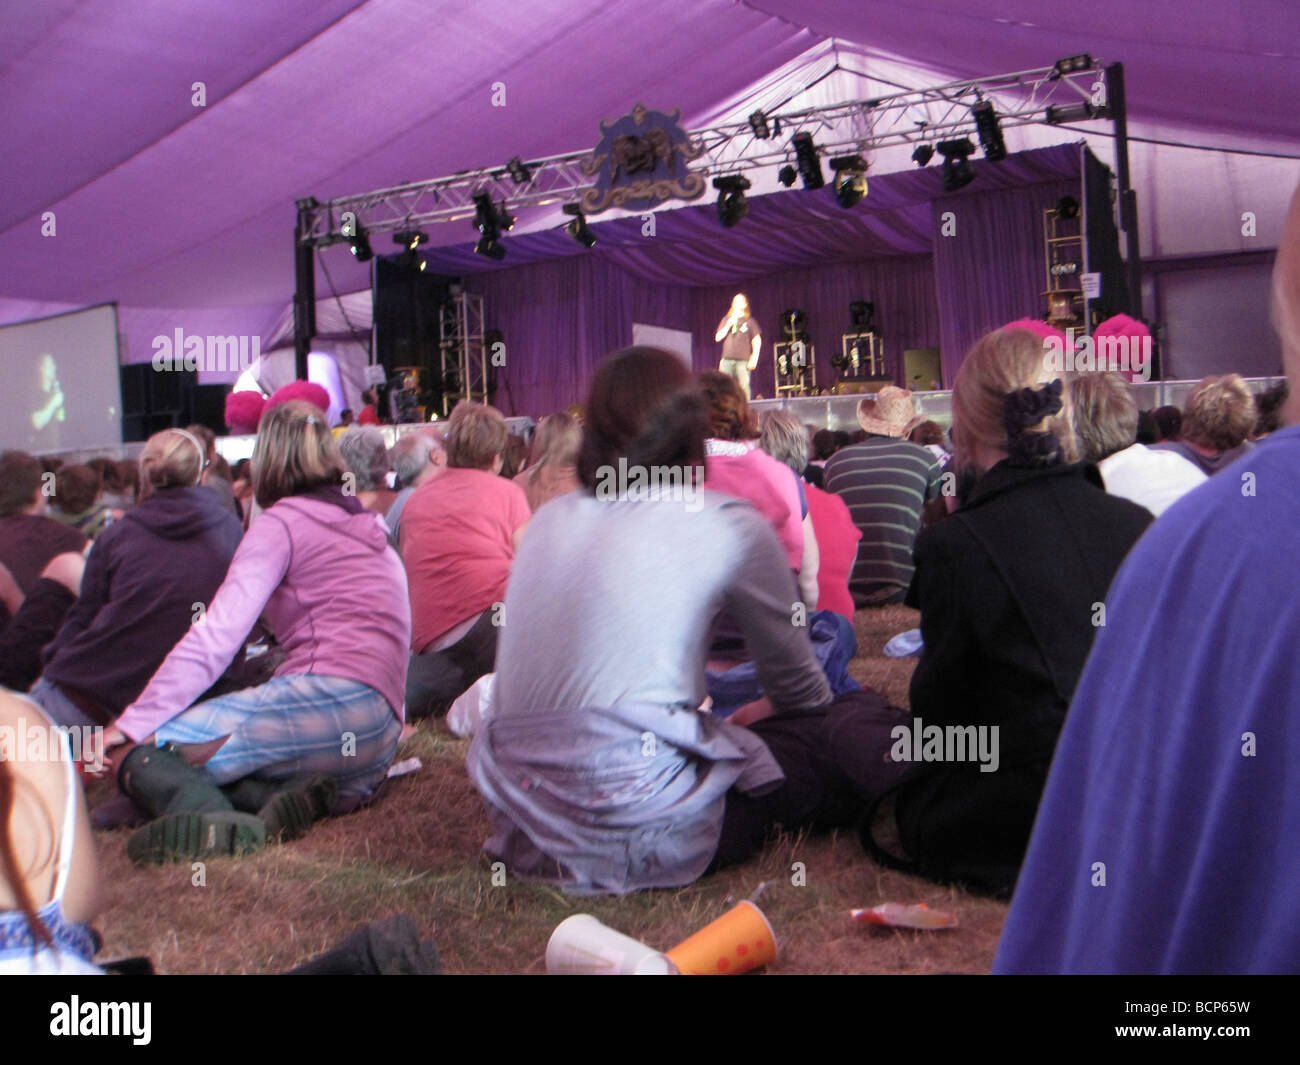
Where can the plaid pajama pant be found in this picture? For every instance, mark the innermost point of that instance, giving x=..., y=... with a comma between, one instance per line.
x=295, y=725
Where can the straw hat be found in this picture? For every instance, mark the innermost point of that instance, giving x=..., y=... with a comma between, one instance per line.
x=892, y=413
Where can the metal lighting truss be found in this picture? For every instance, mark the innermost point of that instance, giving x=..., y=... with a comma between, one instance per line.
x=933, y=114
x=1055, y=94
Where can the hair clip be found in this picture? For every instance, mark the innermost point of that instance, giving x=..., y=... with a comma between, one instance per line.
x=311, y=419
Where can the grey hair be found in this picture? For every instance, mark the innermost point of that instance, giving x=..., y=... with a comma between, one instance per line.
x=365, y=454
x=410, y=455
x=1105, y=415
x=784, y=437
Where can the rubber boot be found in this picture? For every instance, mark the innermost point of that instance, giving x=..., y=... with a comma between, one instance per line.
x=192, y=818
x=288, y=808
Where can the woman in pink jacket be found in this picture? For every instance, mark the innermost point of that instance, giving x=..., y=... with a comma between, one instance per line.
x=320, y=735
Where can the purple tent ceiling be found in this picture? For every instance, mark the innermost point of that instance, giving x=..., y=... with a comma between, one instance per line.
x=162, y=204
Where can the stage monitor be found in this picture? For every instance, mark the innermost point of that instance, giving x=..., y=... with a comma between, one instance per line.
x=62, y=384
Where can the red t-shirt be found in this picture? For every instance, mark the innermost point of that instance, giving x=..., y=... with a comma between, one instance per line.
x=368, y=415
x=837, y=545
x=458, y=545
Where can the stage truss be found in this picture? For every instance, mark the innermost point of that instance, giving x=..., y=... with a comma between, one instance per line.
x=914, y=117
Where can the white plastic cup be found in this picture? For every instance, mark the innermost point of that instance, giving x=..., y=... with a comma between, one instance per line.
x=581, y=945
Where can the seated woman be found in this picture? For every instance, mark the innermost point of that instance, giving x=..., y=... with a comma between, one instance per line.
x=144, y=580
x=34, y=619
x=736, y=466
x=598, y=770
x=1009, y=588
x=48, y=886
x=319, y=566
x=552, y=466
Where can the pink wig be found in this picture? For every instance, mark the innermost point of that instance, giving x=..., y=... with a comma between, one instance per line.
x=308, y=390
x=1121, y=326
x=1040, y=329
x=244, y=411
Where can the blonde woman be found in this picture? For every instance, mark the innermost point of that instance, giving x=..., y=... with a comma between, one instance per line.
x=553, y=463
x=144, y=580
x=318, y=567
x=1009, y=588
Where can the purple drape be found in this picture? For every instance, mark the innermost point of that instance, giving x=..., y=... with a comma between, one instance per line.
x=563, y=308
x=991, y=270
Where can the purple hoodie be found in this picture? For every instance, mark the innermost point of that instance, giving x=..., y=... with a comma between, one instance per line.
x=333, y=591
x=145, y=578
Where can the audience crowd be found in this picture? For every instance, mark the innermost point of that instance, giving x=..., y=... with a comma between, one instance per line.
x=670, y=668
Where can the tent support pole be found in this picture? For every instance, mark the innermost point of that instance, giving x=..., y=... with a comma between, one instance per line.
x=1128, y=220
x=304, y=295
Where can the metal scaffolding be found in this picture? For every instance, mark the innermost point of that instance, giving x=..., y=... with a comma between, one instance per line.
x=462, y=349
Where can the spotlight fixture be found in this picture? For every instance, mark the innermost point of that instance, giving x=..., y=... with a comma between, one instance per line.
x=787, y=175
x=922, y=154
x=732, y=206
x=1071, y=65
x=578, y=228
x=989, y=130
x=957, y=171
x=519, y=171
x=1067, y=207
x=485, y=213
x=1057, y=116
x=758, y=123
x=491, y=247
x=862, y=316
x=850, y=182
x=359, y=244
x=411, y=238
x=807, y=160
x=794, y=324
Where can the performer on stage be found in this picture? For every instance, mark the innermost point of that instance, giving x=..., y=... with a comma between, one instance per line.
x=741, y=344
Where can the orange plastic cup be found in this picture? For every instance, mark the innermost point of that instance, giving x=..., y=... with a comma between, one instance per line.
x=739, y=940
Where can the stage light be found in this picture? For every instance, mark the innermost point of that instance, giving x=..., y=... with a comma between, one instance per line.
x=862, y=315
x=1071, y=65
x=1067, y=207
x=794, y=323
x=758, y=123
x=732, y=206
x=505, y=220
x=922, y=154
x=359, y=243
x=485, y=214
x=957, y=171
x=491, y=247
x=519, y=172
x=411, y=238
x=787, y=175
x=578, y=228
x=807, y=160
x=989, y=130
x=850, y=183
x=1057, y=116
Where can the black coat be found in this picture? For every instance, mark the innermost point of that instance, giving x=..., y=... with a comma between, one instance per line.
x=1009, y=589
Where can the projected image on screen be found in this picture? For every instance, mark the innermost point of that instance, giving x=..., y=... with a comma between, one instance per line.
x=62, y=387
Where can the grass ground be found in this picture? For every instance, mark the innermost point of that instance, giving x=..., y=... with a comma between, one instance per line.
x=418, y=851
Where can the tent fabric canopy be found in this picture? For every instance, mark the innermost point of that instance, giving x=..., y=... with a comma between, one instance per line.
x=182, y=209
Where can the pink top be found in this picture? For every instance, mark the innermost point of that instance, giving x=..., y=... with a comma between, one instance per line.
x=837, y=543
x=458, y=544
x=332, y=590
x=746, y=472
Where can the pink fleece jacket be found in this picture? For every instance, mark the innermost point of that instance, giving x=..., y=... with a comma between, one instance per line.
x=748, y=473
x=332, y=590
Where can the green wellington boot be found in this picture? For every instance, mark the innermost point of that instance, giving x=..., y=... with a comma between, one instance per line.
x=288, y=808
x=192, y=818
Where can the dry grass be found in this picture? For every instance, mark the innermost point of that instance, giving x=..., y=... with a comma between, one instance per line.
x=418, y=851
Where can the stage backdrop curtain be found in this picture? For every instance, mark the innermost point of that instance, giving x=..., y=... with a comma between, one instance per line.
x=991, y=269
x=559, y=320
x=901, y=287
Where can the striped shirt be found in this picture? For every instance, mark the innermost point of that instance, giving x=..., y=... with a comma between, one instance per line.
x=886, y=483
